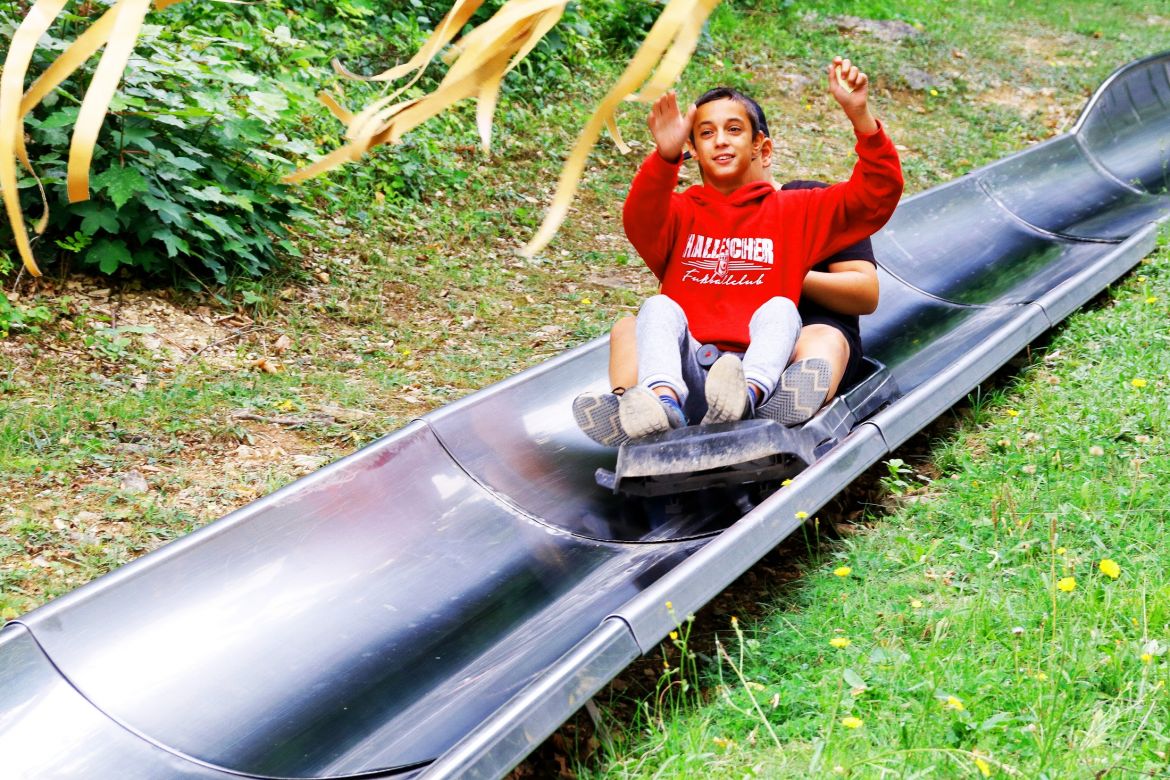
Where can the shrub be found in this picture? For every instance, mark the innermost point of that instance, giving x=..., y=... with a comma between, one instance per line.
x=219, y=101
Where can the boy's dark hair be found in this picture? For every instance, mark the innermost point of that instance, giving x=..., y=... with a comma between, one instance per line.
x=763, y=123
x=754, y=112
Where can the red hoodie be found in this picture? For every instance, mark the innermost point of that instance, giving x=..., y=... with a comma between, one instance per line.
x=722, y=256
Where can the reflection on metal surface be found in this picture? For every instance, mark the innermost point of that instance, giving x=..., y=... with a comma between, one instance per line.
x=403, y=610
x=505, y=738
x=465, y=576
x=48, y=730
x=1056, y=187
x=1127, y=123
x=989, y=258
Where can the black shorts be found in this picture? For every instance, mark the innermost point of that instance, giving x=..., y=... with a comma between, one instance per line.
x=854, y=369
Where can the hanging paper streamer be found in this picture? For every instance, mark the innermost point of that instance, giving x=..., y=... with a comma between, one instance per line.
x=117, y=29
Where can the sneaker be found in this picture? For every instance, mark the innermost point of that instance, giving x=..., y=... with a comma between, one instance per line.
x=800, y=393
x=727, y=392
x=597, y=416
x=642, y=413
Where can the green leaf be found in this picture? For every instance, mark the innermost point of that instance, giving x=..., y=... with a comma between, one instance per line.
x=139, y=136
x=853, y=679
x=175, y=244
x=996, y=720
x=97, y=217
x=216, y=223
x=108, y=255
x=66, y=117
x=121, y=183
x=170, y=119
x=210, y=195
x=167, y=210
x=182, y=163
x=268, y=105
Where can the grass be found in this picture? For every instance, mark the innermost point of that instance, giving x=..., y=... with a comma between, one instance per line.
x=407, y=308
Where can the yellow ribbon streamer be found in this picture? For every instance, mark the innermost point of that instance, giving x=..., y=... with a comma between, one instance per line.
x=101, y=90
x=20, y=52
x=485, y=56
x=676, y=23
x=460, y=13
x=14, y=106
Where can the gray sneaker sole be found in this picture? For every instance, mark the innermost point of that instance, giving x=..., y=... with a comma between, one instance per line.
x=598, y=418
x=800, y=394
x=641, y=413
x=726, y=391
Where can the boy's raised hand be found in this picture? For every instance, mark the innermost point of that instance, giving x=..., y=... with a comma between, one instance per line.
x=671, y=129
x=850, y=87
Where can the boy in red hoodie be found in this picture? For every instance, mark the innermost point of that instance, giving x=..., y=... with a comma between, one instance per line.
x=732, y=253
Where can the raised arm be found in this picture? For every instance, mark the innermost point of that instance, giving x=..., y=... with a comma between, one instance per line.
x=845, y=213
x=649, y=216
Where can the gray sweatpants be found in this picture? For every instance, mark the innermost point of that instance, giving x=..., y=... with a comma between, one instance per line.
x=667, y=352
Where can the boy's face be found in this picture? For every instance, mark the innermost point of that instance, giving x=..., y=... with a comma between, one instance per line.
x=724, y=146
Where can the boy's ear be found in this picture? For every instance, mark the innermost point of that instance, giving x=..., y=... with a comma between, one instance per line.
x=758, y=145
x=766, y=149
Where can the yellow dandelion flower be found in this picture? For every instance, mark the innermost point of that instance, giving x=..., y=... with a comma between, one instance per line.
x=1041, y=676
x=1067, y=584
x=851, y=722
x=734, y=620
x=586, y=301
x=1012, y=413
x=842, y=571
x=786, y=483
x=802, y=515
x=1138, y=383
x=1146, y=658
x=934, y=93
x=674, y=636
x=1061, y=550
x=1152, y=299
x=1110, y=568
x=953, y=703
x=840, y=642
x=983, y=766
x=669, y=605
x=915, y=603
